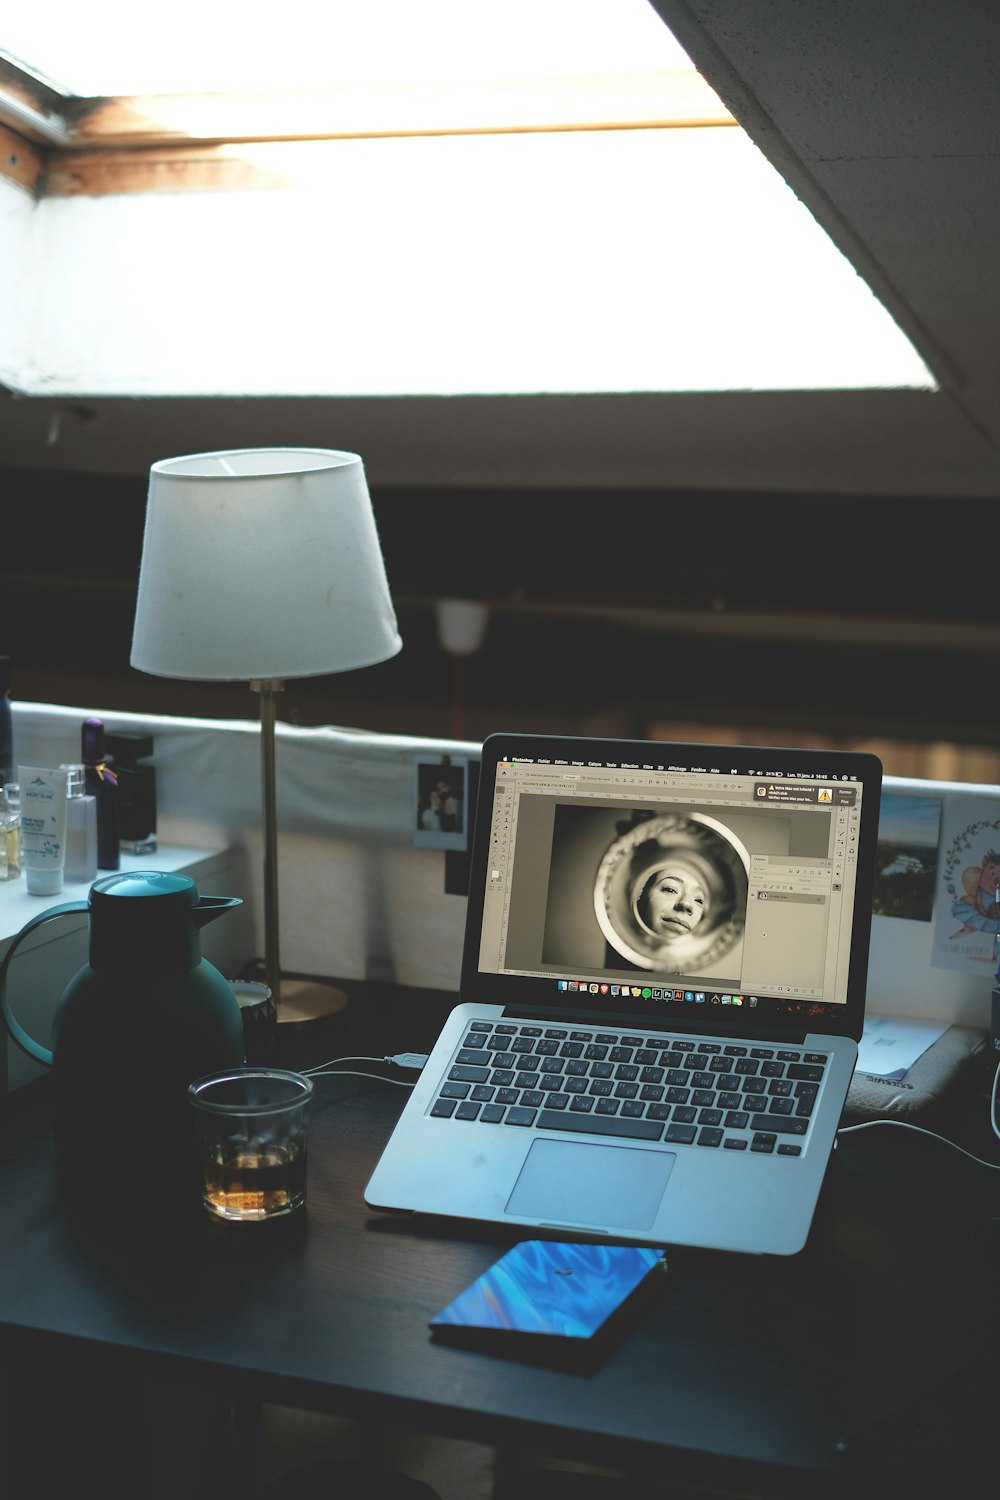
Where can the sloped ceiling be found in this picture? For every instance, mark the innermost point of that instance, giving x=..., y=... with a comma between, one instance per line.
x=883, y=118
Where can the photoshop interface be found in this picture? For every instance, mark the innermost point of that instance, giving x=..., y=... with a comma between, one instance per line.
x=567, y=837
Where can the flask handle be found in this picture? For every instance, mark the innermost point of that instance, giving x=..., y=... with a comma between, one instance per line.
x=24, y=1041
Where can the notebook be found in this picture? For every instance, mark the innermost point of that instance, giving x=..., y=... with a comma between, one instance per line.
x=662, y=993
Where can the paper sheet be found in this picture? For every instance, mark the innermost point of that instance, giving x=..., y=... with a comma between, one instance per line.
x=890, y=1045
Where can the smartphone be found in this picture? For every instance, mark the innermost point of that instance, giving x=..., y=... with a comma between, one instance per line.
x=547, y=1295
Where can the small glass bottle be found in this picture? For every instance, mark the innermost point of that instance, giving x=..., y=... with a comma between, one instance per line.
x=8, y=769
x=81, y=829
x=10, y=831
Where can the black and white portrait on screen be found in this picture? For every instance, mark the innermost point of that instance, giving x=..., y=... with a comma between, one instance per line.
x=665, y=893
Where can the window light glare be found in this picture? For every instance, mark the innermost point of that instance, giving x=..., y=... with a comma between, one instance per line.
x=215, y=46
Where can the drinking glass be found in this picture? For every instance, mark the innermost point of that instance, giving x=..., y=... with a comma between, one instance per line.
x=252, y=1130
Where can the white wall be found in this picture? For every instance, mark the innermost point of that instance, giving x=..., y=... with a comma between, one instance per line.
x=357, y=899
x=18, y=216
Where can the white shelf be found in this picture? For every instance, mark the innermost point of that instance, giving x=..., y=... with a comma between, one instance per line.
x=18, y=906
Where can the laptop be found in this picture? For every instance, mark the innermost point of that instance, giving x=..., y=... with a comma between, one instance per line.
x=662, y=993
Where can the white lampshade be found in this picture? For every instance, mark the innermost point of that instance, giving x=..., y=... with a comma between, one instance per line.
x=261, y=563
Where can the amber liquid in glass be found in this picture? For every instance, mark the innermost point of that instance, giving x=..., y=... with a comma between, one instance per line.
x=256, y=1186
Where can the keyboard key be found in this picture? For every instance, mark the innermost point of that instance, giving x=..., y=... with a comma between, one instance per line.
x=763, y=1143
x=645, y=1130
x=454, y=1091
x=681, y=1134
x=708, y=1135
x=775, y=1123
x=476, y=1057
x=467, y=1111
x=461, y=1074
x=491, y=1113
x=444, y=1108
x=516, y=1115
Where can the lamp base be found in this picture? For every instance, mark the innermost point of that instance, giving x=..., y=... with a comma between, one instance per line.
x=306, y=1000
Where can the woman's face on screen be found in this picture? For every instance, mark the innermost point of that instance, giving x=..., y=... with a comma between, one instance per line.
x=674, y=904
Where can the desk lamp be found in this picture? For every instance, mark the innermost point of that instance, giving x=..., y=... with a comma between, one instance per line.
x=261, y=564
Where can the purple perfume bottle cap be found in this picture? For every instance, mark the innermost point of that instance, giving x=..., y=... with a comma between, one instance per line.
x=92, y=740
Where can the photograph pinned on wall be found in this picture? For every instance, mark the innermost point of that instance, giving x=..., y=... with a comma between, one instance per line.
x=909, y=829
x=967, y=910
x=441, y=802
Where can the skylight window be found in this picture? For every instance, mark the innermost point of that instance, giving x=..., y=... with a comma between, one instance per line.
x=213, y=46
x=502, y=204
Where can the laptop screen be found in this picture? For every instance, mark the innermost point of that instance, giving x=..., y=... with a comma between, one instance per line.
x=701, y=885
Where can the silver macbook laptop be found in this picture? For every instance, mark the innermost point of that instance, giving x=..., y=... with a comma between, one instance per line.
x=662, y=993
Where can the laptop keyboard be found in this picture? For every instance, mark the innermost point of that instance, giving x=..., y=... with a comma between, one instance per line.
x=681, y=1091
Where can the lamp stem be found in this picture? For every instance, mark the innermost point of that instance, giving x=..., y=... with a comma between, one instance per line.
x=268, y=688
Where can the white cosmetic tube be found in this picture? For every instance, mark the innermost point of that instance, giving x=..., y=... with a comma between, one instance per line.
x=43, y=828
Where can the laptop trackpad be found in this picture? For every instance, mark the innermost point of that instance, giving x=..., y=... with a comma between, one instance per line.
x=574, y=1182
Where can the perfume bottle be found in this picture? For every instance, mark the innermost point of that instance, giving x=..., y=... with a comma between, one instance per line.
x=136, y=790
x=81, y=828
x=10, y=831
x=101, y=781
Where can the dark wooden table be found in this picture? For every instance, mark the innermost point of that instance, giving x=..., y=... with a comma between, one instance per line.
x=864, y=1362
